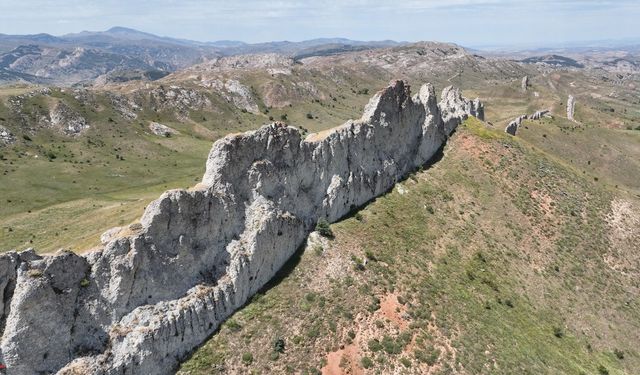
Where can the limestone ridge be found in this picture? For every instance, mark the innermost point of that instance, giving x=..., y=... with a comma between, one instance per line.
x=571, y=107
x=514, y=125
x=158, y=289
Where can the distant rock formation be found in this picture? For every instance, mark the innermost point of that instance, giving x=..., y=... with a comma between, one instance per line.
x=537, y=115
x=525, y=83
x=160, y=287
x=162, y=130
x=514, y=125
x=571, y=107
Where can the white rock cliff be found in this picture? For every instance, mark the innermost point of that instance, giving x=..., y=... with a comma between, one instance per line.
x=159, y=288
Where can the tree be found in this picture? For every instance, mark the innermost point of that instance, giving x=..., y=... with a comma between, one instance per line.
x=322, y=227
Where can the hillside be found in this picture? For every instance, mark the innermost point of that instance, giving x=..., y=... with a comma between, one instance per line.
x=475, y=265
x=503, y=254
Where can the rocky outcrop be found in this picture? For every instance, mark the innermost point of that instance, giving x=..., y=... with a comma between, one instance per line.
x=125, y=106
x=514, y=125
x=162, y=130
x=67, y=120
x=6, y=137
x=235, y=93
x=181, y=100
x=525, y=83
x=571, y=107
x=537, y=115
x=160, y=287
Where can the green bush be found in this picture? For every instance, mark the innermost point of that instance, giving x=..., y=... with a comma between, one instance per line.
x=233, y=325
x=619, y=353
x=310, y=116
x=374, y=345
x=247, y=358
x=557, y=332
x=603, y=370
x=322, y=227
x=278, y=345
x=366, y=362
x=406, y=362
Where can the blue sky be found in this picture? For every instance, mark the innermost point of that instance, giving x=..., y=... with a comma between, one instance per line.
x=467, y=22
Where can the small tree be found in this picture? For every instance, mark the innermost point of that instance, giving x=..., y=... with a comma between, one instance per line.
x=322, y=227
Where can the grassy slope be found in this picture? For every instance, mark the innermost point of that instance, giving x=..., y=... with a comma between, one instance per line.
x=481, y=266
x=86, y=189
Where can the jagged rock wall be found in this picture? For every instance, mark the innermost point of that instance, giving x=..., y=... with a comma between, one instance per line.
x=525, y=83
x=158, y=288
x=514, y=125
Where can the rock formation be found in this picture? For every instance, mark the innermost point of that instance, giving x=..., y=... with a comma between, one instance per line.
x=161, y=130
x=514, y=125
x=571, y=107
x=158, y=288
x=6, y=137
x=67, y=120
x=537, y=115
x=525, y=83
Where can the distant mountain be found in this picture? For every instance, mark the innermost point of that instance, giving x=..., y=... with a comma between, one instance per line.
x=553, y=60
x=124, y=53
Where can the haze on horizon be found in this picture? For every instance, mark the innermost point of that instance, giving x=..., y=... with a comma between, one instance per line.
x=467, y=22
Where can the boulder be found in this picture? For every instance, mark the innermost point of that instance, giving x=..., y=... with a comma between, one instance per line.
x=162, y=130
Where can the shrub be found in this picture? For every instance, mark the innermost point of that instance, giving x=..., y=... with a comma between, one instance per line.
x=603, y=370
x=619, y=353
x=366, y=362
x=369, y=255
x=278, y=345
x=557, y=332
x=84, y=283
x=233, y=325
x=247, y=358
x=283, y=117
x=374, y=345
x=310, y=116
x=323, y=228
x=390, y=345
x=406, y=362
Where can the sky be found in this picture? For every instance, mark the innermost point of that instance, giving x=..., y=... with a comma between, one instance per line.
x=472, y=23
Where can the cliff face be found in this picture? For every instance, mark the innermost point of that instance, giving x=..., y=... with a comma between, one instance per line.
x=157, y=289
